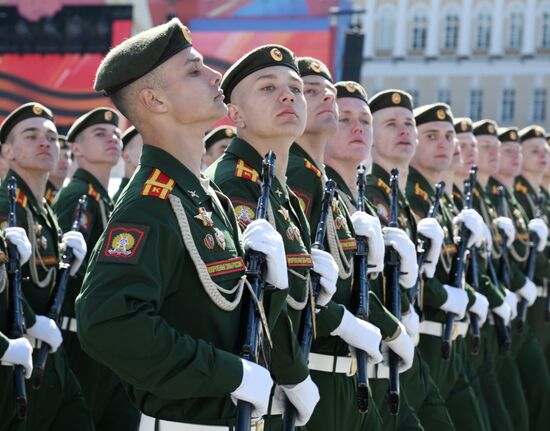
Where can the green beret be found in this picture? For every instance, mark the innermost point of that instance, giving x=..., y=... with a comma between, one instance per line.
x=128, y=134
x=140, y=54
x=434, y=112
x=95, y=116
x=390, y=99
x=463, y=125
x=485, y=127
x=24, y=112
x=508, y=134
x=351, y=89
x=532, y=131
x=311, y=66
x=217, y=134
x=257, y=59
x=63, y=144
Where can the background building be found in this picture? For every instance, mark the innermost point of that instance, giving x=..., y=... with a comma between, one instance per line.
x=485, y=58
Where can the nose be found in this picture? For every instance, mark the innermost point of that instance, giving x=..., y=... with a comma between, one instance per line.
x=287, y=96
x=357, y=128
x=329, y=96
x=216, y=77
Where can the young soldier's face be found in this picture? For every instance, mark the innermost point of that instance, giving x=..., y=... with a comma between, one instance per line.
x=457, y=162
x=322, y=110
x=62, y=168
x=488, y=154
x=395, y=134
x=468, y=150
x=215, y=151
x=534, y=155
x=436, y=145
x=547, y=170
x=270, y=103
x=100, y=143
x=32, y=145
x=353, y=139
x=510, y=159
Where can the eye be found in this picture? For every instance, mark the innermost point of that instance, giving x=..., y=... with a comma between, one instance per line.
x=311, y=92
x=268, y=88
x=296, y=90
x=344, y=120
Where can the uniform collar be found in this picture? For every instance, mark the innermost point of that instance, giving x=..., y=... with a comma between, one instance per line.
x=340, y=183
x=87, y=177
x=23, y=187
x=416, y=176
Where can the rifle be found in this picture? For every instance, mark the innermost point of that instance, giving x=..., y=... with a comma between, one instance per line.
x=57, y=303
x=18, y=322
x=505, y=255
x=457, y=271
x=363, y=287
x=393, y=294
x=308, y=330
x=423, y=244
x=503, y=332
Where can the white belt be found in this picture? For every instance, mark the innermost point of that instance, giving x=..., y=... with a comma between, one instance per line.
x=436, y=329
x=147, y=423
x=68, y=324
x=332, y=364
x=378, y=371
x=541, y=291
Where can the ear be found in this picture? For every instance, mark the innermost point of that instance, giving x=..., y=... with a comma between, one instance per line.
x=152, y=100
x=76, y=150
x=7, y=151
x=234, y=115
x=125, y=156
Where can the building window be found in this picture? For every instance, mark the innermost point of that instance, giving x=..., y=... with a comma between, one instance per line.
x=545, y=30
x=419, y=31
x=450, y=41
x=476, y=104
x=444, y=96
x=483, y=29
x=515, y=30
x=508, y=105
x=385, y=31
x=539, y=106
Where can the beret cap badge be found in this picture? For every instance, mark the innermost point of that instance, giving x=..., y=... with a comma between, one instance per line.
x=396, y=98
x=108, y=115
x=351, y=87
x=513, y=135
x=186, y=33
x=440, y=114
x=316, y=67
x=276, y=54
x=229, y=132
x=491, y=128
x=37, y=109
x=464, y=125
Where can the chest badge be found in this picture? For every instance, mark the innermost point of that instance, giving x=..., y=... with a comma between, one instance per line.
x=205, y=217
x=220, y=238
x=284, y=212
x=209, y=241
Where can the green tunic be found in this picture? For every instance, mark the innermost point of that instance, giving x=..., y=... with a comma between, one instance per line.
x=51, y=192
x=123, y=183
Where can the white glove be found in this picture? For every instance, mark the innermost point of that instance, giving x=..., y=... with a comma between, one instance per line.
x=528, y=292
x=47, y=331
x=361, y=335
x=480, y=307
x=304, y=397
x=260, y=236
x=398, y=239
x=538, y=226
x=512, y=300
x=18, y=237
x=76, y=241
x=430, y=228
x=255, y=388
x=457, y=301
x=473, y=222
x=403, y=346
x=411, y=321
x=325, y=266
x=504, y=311
x=369, y=226
x=19, y=352
x=507, y=226
x=487, y=238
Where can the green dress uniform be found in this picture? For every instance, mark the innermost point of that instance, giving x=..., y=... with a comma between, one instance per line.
x=338, y=390
x=546, y=282
x=417, y=383
x=449, y=375
x=51, y=192
x=59, y=403
x=526, y=351
x=123, y=183
x=161, y=302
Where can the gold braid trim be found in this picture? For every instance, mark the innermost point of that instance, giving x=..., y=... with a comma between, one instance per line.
x=50, y=273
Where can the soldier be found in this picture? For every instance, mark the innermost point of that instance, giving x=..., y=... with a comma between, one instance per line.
x=132, y=143
x=394, y=145
x=58, y=175
x=29, y=142
x=161, y=304
x=96, y=146
x=4, y=166
x=215, y=143
x=306, y=177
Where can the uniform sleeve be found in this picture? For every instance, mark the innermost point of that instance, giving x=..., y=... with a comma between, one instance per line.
x=119, y=321
x=434, y=293
x=302, y=181
x=542, y=269
x=4, y=342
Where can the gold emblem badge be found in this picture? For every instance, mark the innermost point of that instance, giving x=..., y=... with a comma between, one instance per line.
x=284, y=212
x=464, y=125
x=245, y=214
x=205, y=217
x=351, y=87
x=440, y=114
x=316, y=67
x=491, y=128
x=276, y=54
x=538, y=131
x=122, y=244
x=37, y=109
x=229, y=132
x=220, y=238
x=186, y=33
x=108, y=115
x=513, y=135
x=209, y=242
x=396, y=98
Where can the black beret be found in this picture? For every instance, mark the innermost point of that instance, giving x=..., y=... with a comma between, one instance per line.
x=508, y=134
x=95, y=116
x=485, y=127
x=140, y=54
x=63, y=144
x=257, y=59
x=217, y=134
x=24, y=112
x=463, y=125
x=128, y=134
x=548, y=138
x=532, y=131
x=311, y=66
x=351, y=89
x=434, y=112
x=390, y=99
